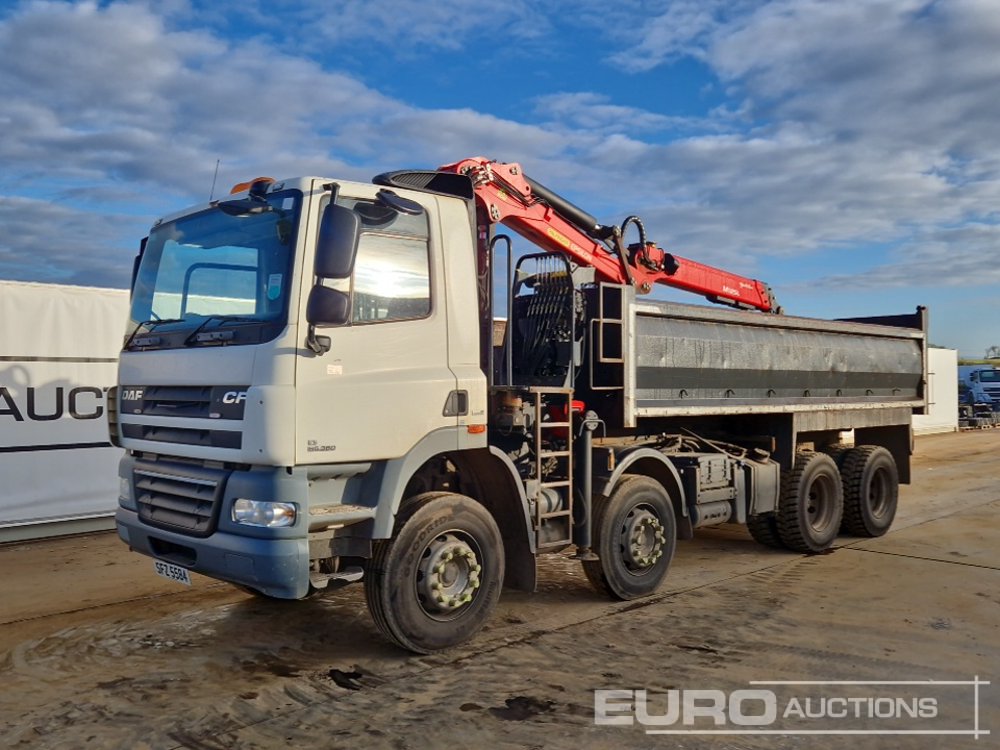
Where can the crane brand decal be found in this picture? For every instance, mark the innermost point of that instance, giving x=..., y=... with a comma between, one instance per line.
x=558, y=237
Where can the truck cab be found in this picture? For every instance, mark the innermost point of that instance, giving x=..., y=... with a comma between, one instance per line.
x=979, y=384
x=245, y=447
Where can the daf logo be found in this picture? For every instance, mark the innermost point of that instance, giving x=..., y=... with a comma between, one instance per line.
x=234, y=397
x=132, y=394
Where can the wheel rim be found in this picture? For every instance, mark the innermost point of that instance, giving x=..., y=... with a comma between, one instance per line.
x=642, y=539
x=448, y=575
x=821, y=503
x=878, y=493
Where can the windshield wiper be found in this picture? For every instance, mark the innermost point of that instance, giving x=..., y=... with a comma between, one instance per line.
x=149, y=325
x=193, y=337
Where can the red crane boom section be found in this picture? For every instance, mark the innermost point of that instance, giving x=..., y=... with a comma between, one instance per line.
x=508, y=197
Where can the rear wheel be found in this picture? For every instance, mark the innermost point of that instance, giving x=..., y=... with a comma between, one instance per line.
x=811, y=504
x=764, y=529
x=635, y=534
x=871, y=490
x=436, y=582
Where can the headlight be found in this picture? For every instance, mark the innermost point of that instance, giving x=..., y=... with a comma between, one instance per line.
x=261, y=513
x=125, y=493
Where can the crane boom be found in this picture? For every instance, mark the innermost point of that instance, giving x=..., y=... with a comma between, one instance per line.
x=509, y=197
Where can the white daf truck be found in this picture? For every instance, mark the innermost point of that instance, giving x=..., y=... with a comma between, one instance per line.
x=313, y=391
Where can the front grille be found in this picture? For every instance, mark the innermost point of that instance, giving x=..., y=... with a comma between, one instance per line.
x=112, y=412
x=175, y=401
x=187, y=503
x=183, y=435
x=191, y=401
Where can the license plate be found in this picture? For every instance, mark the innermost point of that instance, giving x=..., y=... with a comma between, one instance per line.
x=172, y=572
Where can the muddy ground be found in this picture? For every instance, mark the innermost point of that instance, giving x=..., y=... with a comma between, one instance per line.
x=98, y=652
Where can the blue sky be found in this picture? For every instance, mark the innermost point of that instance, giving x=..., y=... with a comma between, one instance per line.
x=847, y=153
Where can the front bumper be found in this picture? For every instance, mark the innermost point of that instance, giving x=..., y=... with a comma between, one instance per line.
x=181, y=513
x=275, y=567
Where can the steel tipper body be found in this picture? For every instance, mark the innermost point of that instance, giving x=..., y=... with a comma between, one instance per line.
x=315, y=389
x=784, y=373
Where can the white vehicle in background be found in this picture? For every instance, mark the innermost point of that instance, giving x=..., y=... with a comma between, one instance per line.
x=979, y=384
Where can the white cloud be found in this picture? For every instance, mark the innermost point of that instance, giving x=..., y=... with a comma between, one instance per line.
x=56, y=242
x=963, y=257
x=871, y=122
x=594, y=113
x=110, y=93
x=848, y=123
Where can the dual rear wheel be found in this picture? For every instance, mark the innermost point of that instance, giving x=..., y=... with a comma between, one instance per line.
x=855, y=491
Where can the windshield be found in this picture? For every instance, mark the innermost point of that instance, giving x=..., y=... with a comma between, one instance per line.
x=214, y=269
x=989, y=376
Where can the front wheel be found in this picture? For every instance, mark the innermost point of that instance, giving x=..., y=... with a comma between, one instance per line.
x=635, y=534
x=436, y=582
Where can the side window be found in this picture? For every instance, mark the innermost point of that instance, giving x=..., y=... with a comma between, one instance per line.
x=391, y=279
x=392, y=269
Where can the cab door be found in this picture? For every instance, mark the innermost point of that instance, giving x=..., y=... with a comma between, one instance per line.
x=385, y=382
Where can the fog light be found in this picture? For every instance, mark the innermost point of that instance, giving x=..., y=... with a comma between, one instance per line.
x=125, y=498
x=262, y=513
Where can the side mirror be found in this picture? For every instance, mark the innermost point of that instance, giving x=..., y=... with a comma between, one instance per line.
x=337, y=246
x=325, y=307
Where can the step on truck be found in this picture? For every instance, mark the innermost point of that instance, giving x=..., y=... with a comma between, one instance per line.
x=325, y=382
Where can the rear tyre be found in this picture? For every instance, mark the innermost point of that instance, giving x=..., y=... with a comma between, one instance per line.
x=838, y=453
x=811, y=504
x=436, y=582
x=871, y=491
x=764, y=530
x=635, y=534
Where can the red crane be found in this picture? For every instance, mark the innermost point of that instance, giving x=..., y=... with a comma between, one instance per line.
x=509, y=197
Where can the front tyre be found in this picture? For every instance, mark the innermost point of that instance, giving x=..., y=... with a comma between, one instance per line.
x=436, y=582
x=635, y=534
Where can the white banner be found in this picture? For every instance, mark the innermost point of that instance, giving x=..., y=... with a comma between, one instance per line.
x=58, y=356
